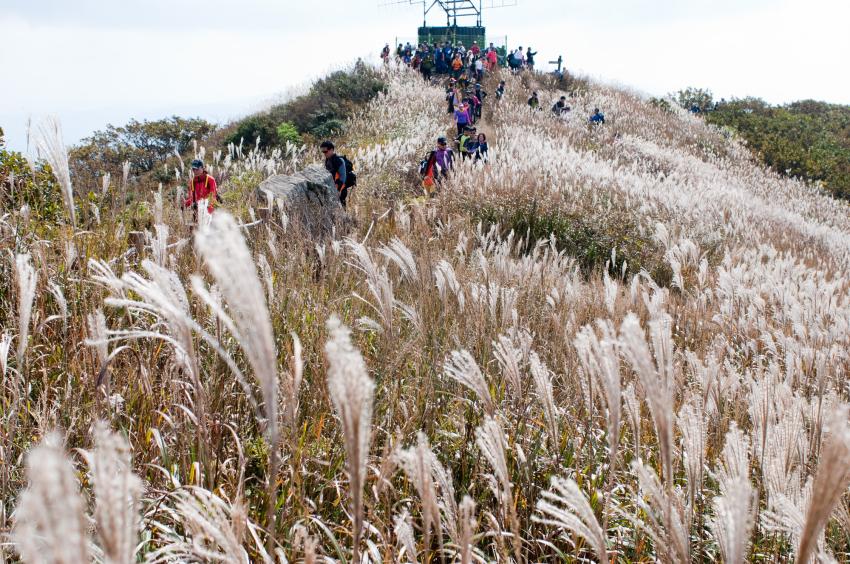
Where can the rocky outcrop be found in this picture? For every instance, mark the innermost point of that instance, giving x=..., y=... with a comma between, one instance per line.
x=309, y=198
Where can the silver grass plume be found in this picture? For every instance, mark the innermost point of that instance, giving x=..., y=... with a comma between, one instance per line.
x=734, y=507
x=351, y=390
x=830, y=482
x=97, y=336
x=510, y=361
x=656, y=379
x=566, y=507
x=210, y=532
x=597, y=352
x=229, y=260
x=403, y=530
x=665, y=520
x=462, y=368
x=52, y=146
x=692, y=427
x=50, y=523
x=226, y=254
x=398, y=253
x=417, y=463
x=59, y=296
x=632, y=408
x=117, y=493
x=27, y=280
x=542, y=377
x=491, y=441
x=468, y=525
x=5, y=345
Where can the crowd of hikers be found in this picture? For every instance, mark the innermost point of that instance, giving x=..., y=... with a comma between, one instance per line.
x=463, y=71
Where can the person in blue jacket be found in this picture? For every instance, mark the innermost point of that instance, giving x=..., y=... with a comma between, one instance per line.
x=597, y=117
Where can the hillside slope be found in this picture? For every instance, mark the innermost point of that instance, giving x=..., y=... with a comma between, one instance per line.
x=624, y=342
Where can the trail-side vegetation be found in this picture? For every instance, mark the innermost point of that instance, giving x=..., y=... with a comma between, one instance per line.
x=615, y=343
x=806, y=139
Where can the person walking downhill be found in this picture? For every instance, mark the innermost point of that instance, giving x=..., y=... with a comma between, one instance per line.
x=481, y=148
x=560, y=108
x=202, y=186
x=337, y=167
x=534, y=101
x=500, y=90
x=436, y=166
x=462, y=118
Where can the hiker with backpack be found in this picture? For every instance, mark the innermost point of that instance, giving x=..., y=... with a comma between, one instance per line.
x=341, y=169
x=560, y=107
x=534, y=101
x=202, y=186
x=500, y=90
x=436, y=166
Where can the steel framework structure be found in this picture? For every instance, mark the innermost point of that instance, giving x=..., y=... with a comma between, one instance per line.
x=454, y=9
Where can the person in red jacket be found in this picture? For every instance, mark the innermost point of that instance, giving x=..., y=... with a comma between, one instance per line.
x=202, y=186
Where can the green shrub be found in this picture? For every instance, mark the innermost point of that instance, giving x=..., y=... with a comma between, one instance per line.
x=808, y=139
x=34, y=186
x=250, y=129
x=320, y=113
x=288, y=132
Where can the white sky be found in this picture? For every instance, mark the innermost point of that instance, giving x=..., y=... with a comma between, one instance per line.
x=93, y=62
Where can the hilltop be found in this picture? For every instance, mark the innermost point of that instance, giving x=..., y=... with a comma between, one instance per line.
x=625, y=341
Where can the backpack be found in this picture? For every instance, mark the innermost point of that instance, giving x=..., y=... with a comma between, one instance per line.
x=350, y=176
x=423, y=164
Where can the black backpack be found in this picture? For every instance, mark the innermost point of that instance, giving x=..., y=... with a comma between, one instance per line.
x=350, y=176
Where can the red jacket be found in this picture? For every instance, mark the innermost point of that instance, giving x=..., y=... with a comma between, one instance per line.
x=202, y=187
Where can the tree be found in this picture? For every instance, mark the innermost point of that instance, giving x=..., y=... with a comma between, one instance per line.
x=695, y=99
x=145, y=144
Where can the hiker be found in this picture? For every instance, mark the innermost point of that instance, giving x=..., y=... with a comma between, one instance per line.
x=479, y=69
x=476, y=50
x=462, y=117
x=202, y=186
x=500, y=91
x=529, y=58
x=457, y=66
x=597, y=117
x=560, y=108
x=474, y=107
x=492, y=58
x=481, y=148
x=480, y=94
x=534, y=101
x=385, y=54
x=436, y=166
x=466, y=143
x=451, y=97
x=338, y=167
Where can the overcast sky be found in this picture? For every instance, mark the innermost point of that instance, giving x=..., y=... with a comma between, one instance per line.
x=93, y=62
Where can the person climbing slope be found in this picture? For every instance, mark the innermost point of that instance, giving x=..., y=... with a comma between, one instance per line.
x=338, y=167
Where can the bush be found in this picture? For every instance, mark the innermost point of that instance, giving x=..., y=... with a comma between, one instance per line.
x=808, y=139
x=288, y=132
x=34, y=186
x=320, y=113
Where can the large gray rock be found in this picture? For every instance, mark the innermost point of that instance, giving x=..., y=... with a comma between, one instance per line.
x=309, y=197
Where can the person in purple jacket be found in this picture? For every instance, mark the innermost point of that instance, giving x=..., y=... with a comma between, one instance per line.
x=462, y=118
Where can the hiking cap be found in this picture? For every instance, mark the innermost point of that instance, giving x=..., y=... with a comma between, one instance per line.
x=441, y=140
x=197, y=163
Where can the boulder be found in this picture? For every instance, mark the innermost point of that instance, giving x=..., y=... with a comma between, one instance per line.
x=309, y=198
